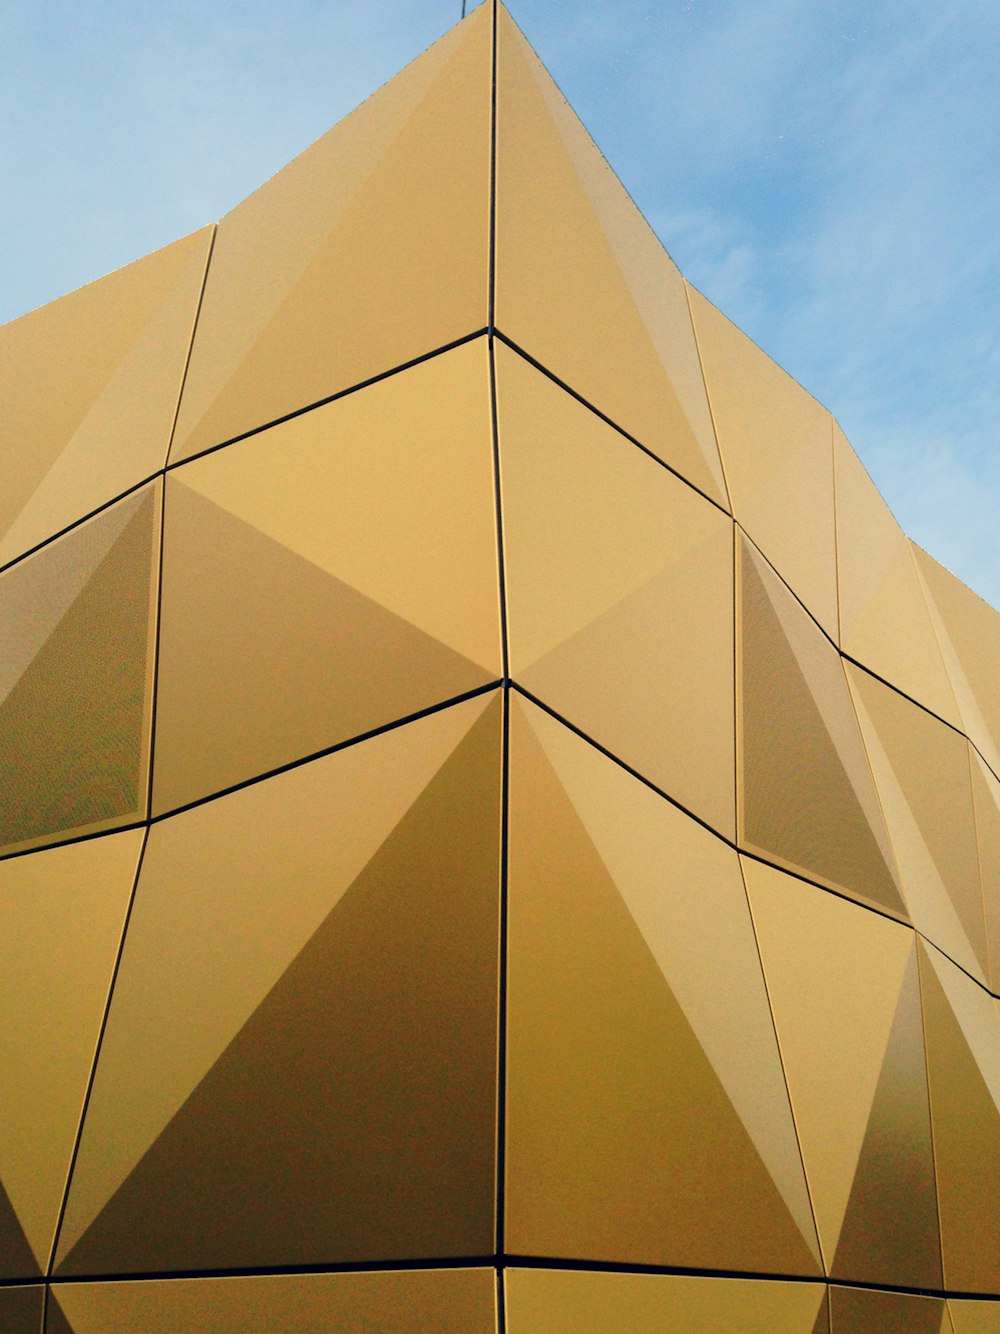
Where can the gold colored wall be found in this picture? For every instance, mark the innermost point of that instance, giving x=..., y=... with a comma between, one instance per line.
x=500, y=828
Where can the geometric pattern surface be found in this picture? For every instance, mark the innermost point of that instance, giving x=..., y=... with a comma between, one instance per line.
x=499, y=828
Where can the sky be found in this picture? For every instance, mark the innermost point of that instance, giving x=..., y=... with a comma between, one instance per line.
x=829, y=175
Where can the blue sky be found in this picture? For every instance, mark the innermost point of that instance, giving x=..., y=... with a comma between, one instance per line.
x=828, y=174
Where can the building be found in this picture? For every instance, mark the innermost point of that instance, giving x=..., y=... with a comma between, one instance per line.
x=486, y=775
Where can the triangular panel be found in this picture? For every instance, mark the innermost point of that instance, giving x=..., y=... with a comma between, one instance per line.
x=374, y=988
x=21, y=1310
x=843, y=987
x=921, y=768
x=328, y=577
x=637, y=587
x=646, y=1112
x=76, y=667
x=370, y=249
x=986, y=797
x=582, y=283
x=807, y=796
x=63, y=911
x=867, y=1311
x=447, y=1301
x=975, y=1317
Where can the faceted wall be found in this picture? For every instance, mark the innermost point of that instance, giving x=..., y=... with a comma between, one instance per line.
x=500, y=828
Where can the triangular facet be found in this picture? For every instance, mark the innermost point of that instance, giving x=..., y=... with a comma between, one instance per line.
x=73, y=729
x=401, y=1301
x=63, y=911
x=776, y=444
x=90, y=386
x=266, y=658
x=640, y=585
x=921, y=768
x=16, y=1257
x=618, y=1123
x=970, y=1317
x=387, y=1004
x=21, y=1310
x=833, y=973
x=370, y=249
x=808, y=799
x=963, y=1062
x=986, y=799
x=867, y=1311
x=582, y=283
x=890, y=1229
x=885, y=622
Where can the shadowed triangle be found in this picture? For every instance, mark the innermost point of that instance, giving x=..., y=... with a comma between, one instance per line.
x=358, y=1099
x=21, y=1310
x=16, y=1258
x=890, y=1228
x=72, y=728
x=799, y=800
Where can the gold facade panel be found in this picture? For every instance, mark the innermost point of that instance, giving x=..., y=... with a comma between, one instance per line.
x=639, y=586
x=647, y=1115
x=922, y=772
x=776, y=443
x=884, y=619
x=319, y=943
x=962, y=1027
x=974, y=1317
x=807, y=797
x=327, y=577
x=445, y=1301
x=844, y=991
x=90, y=386
x=370, y=249
x=63, y=911
x=866, y=1311
x=76, y=667
x=552, y=1301
x=21, y=1310
x=986, y=797
x=583, y=285
x=969, y=633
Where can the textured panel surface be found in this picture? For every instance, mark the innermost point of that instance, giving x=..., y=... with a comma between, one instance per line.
x=777, y=449
x=327, y=577
x=582, y=283
x=447, y=1301
x=865, y=1311
x=280, y=1016
x=640, y=585
x=89, y=386
x=63, y=910
x=370, y=249
x=846, y=1001
x=21, y=1310
x=562, y=1302
x=647, y=1116
x=807, y=798
x=76, y=677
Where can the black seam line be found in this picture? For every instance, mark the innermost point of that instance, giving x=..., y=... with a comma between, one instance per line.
x=97, y=1055
x=154, y=690
x=330, y=750
x=501, y=1113
x=45, y=1308
x=501, y=1300
x=190, y=351
x=75, y=838
x=330, y=398
x=613, y=1267
x=514, y=347
x=267, y=1271
x=736, y=847
x=491, y=295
